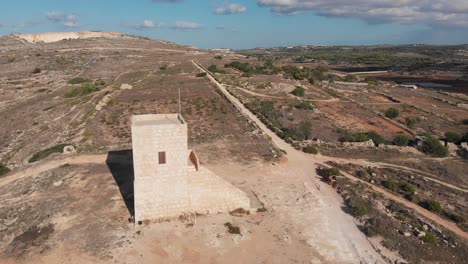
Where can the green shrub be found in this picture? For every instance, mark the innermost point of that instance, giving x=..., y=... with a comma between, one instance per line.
x=390, y=184
x=360, y=210
x=431, y=205
x=392, y=112
x=301, y=132
x=360, y=137
x=305, y=105
x=429, y=238
x=78, y=80
x=376, y=137
x=36, y=70
x=85, y=89
x=100, y=83
x=218, y=57
x=3, y=169
x=333, y=172
x=298, y=91
x=47, y=152
x=401, y=140
x=465, y=121
x=213, y=68
x=311, y=149
x=453, y=137
x=201, y=74
x=407, y=187
x=163, y=68
x=411, y=122
x=432, y=146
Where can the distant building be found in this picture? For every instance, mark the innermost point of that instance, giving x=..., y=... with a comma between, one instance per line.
x=169, y=180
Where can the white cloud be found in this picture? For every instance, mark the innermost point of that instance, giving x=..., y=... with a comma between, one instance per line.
x=71, y=24
x=230, y=8
x=431, y=12
x=67, y=20
x=146, y=24
x=186, y=25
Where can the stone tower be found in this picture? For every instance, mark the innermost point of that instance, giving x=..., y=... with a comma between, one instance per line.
x=160, y=165
x=169, y=180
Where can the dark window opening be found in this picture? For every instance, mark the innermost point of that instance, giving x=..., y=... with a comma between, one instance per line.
x=162, y=157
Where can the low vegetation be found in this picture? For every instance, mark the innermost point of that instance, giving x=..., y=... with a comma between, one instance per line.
x=310, y=149
x=453, y=137
x=298, y=91
x=78, y=80
x=401, y=140
x=361, y=137
x=432, y=146
x=3, y=169
x=201, y=74
x=84, y=89
x=36, y=70
x=305, y=105
x=431, y=205
x=47, y=152
x=392, y=113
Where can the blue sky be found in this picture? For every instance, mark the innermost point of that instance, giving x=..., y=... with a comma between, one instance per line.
x=249, y=24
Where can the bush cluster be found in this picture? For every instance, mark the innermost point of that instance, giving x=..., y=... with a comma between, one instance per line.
x=298, y=91
x=305, y=105
x=431, y=205
x=432, y=146
x=47, y=152
x=401, y=140
x=201, y=74
x=361, y=137
x=310, y=149
x=85, y=89
x=392, y=112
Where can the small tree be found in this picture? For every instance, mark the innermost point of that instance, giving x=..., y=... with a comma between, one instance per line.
x=392, y=112
x=298, y=91
x=213, y=68
x=433, y=147
x=401, y=140
x=376, y=137
x=452, y=137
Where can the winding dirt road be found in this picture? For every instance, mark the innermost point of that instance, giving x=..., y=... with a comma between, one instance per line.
x=302, y=162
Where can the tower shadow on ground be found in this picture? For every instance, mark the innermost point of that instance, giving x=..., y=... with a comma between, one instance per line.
x=120, y=164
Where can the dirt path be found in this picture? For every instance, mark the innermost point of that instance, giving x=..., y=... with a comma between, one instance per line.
x=46, y=166
x=441, y=221
x=428, y=176
x=301, y=161
x=341, y=241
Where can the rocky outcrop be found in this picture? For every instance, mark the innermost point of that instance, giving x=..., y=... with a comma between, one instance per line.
x=58, y=36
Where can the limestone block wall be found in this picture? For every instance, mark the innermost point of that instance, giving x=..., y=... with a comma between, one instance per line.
x=160, y=190
x=209, y=193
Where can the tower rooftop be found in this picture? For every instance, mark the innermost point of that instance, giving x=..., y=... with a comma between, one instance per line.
x=157, y=119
